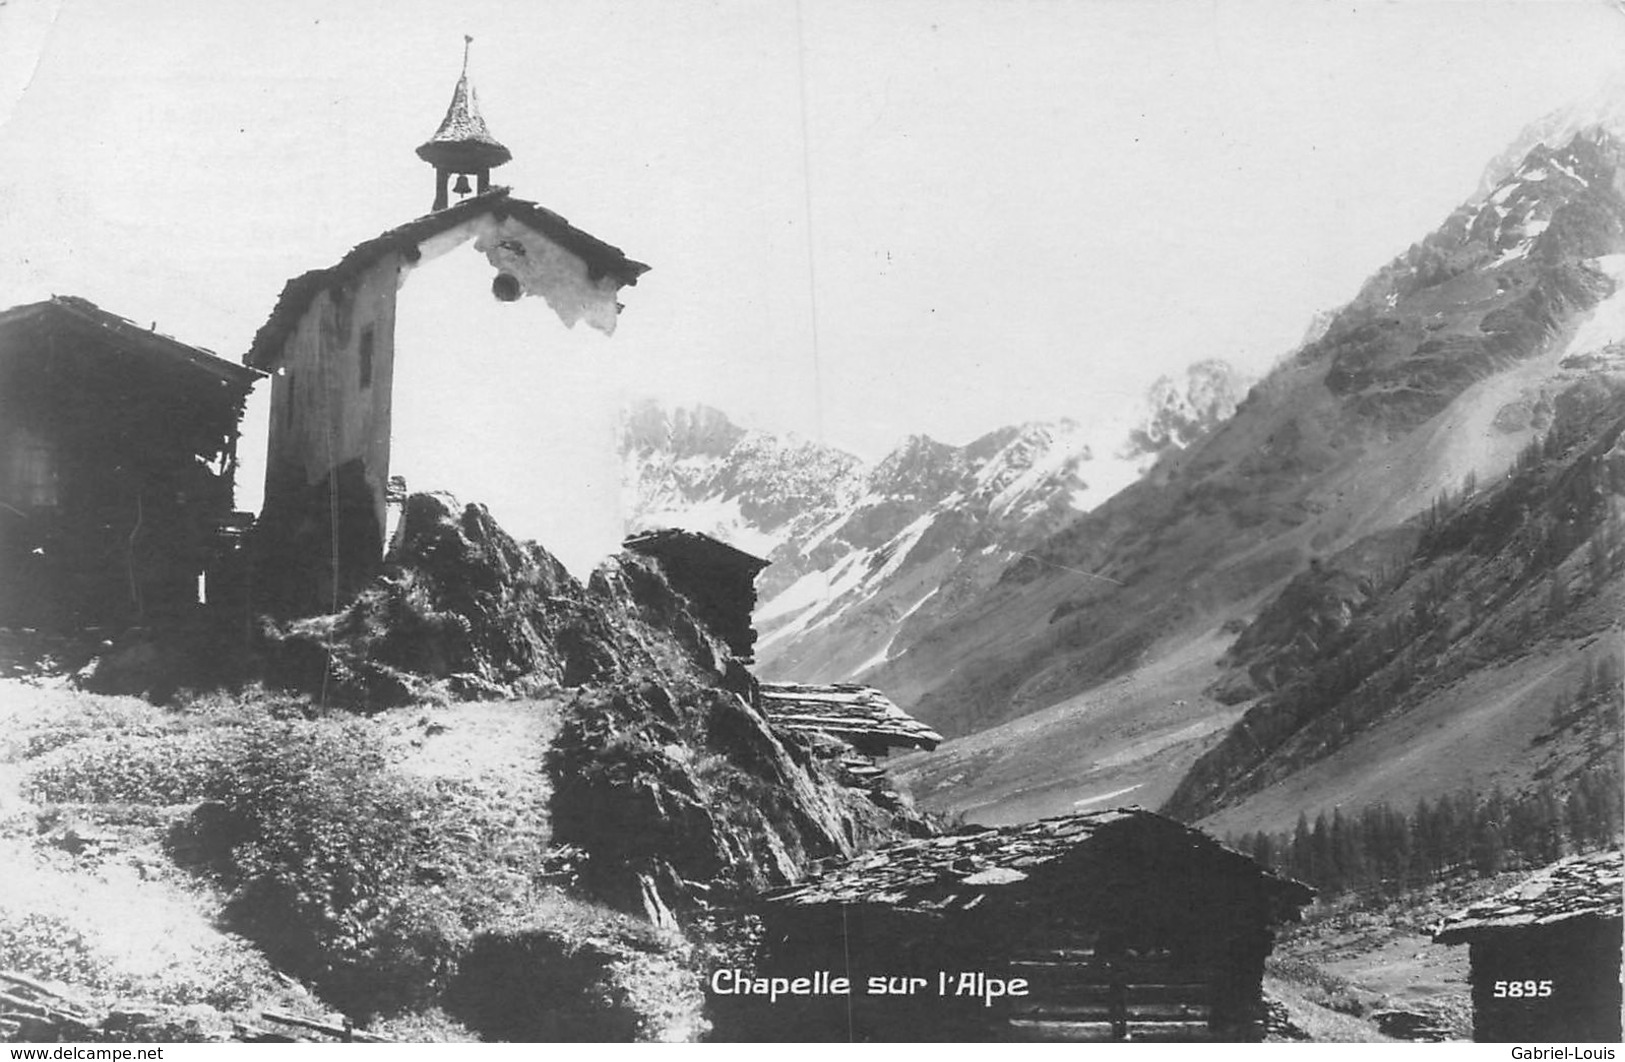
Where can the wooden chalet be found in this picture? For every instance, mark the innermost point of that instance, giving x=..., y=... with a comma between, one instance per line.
x=719, y=579
x=1546, y=954
x=1108, y=925
x=118, y=452
x=861, y=716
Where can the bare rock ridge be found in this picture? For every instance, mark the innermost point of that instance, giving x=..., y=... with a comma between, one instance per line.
x=1181, y=415
x=557, y=793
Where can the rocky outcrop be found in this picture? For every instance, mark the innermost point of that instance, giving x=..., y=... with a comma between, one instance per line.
x=689, y=789
x=462, y=610
x=665, y=773
x=1180, y=415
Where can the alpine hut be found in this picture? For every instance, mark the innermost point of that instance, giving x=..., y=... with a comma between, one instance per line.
x=1545, y=954
x=118, y=453
x=1107, y=925
x=719, y=579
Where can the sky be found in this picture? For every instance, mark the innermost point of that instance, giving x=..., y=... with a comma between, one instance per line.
x=864, y=220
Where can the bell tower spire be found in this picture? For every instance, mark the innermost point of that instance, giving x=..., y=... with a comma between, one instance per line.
x=462, y=145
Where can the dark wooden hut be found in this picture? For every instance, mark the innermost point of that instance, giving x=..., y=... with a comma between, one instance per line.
x=1546, y=955
x=118, y=449
x=719, y=579
x=1108, y=925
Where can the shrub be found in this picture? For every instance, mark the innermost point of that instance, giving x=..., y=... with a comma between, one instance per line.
x=135, y=768
x=574, y=971
x=48, y=946
x=319, y=846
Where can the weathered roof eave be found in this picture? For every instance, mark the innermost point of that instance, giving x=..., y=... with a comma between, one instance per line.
x=1467, y=934
x=116, y=330
x=1580, y=888
x=916, y=875
x=849, y=711
x=602, y=259
x=649, y=542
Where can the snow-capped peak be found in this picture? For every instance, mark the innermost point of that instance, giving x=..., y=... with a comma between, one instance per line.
x=1603, y=110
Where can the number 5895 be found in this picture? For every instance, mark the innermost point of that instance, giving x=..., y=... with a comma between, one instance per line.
x=1522, y=989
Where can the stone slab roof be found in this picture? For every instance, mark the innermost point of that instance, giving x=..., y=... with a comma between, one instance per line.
x=1583, y=886
x=844, y=710
x=956, y=872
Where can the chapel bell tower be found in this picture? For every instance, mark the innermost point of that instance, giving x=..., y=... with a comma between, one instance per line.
x=462, y=145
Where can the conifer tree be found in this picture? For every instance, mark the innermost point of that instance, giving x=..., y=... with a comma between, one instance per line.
x=1302, y=863
x=1322, y=857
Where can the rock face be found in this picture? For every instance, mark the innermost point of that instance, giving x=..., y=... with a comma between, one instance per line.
x=1179, y=415
x=1605, y=110
x=694, y=468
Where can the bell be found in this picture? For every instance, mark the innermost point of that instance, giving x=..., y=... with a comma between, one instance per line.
x=462, y=186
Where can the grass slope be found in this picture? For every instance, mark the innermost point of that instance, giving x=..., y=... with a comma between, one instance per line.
x=1127, y=741
x=385, y=865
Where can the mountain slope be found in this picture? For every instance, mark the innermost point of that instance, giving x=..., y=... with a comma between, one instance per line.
x=1478, y=645
x=864, y=558
x=1338, y=442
